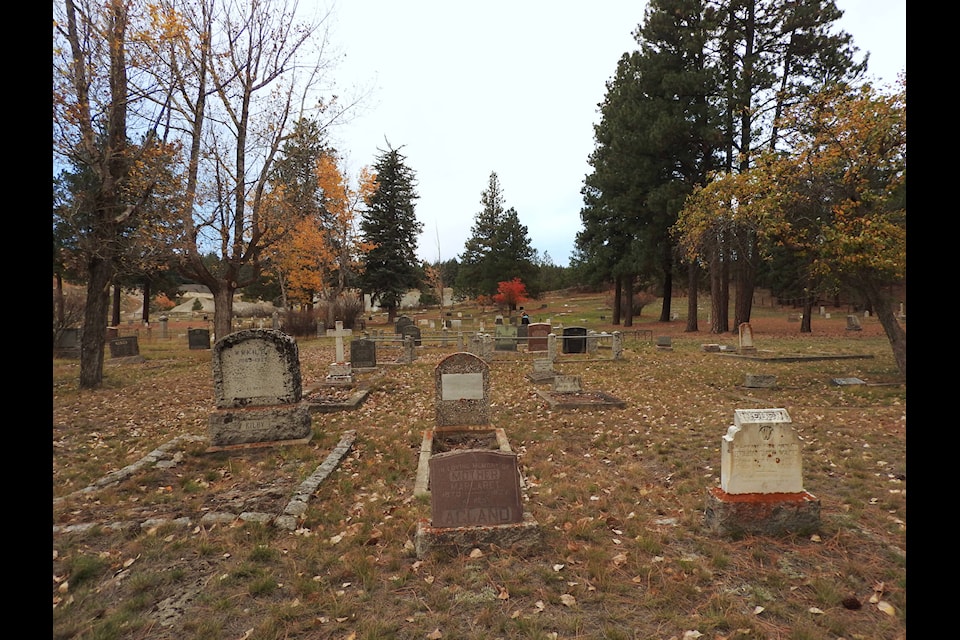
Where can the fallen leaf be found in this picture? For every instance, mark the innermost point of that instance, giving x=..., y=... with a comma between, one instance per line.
x=476, y=553
x=887, y=608
x=557, y=567
x=568, y=600
x=814, y=610
x=690, y=635
x=504, y=594
x=434, y=635
x=515, y=614
x=246, y=634
x=429, y=579
x=539, y=605
x=619, y=559
x=757, y=610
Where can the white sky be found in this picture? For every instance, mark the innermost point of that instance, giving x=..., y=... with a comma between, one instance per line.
x=464, y=89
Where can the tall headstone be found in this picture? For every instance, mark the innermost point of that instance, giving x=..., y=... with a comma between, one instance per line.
x=853, y=323
x=617, y=345
x=462, y=384
x=537, y=333
x=412, y=331
x=574, y=340
x=341, y=371
x=257, y=390
x=746, y=337
x=506, y=337
x=363, y=354
x=402, y=322
x=761, y=478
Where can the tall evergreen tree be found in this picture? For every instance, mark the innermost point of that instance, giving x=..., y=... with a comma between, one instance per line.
x=498, y=248
x=390, y=225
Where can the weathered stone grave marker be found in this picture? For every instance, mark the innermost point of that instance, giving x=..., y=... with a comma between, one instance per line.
x=537, y=333
x=474, y=487
x=341, y=372
x=853, y=323
x=125, y=348
x=505, y=337
x=760, y=381
x=574, y=340
x=746, y=338
x=257, y=391
x=462, y=384
x=363, y=354
x=761, y=485
x=198, y=338
x=664, y=343
x=68, y=343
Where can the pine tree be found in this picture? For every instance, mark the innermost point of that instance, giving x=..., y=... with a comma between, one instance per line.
x=498, y=248
x=391, y=227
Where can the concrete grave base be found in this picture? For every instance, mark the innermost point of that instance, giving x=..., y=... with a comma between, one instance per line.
x=773, y=514
x=427, y=448
x=520, y=537
x=259, y=425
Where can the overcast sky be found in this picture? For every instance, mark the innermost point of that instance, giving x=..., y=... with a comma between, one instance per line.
x=464, y=89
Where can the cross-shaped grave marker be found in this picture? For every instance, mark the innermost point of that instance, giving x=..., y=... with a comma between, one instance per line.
x=339, y=333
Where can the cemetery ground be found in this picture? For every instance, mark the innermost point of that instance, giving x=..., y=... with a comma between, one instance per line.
x=619, y=495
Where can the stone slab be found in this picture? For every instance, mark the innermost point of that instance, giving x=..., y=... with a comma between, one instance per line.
x=259, y=425
x=771, y=514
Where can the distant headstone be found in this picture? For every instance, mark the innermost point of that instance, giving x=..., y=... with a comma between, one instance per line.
x=338, y=334
x=522, y=332
x=761, y=453
x=412, y=331
x=574, y=340
x=760, y=381
x=617, y=345
x=853, y=323
x=537, y=333
x=746, y=337
x=505, y=337
x=124, y=347
x=664, y=343
x=710, y=347
x=363, y=354
x=402, y=322
x=474, y=487
x=567, y=384
x=795, y=317
x=67, y=344
x=198, y=338
x=257, y=390
x=462, y=383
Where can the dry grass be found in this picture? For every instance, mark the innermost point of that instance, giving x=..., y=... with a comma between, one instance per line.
x=619, y=495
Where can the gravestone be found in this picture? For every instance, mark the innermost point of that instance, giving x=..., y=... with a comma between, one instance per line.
x=474, y=487
x=746, y=337
x=853, y=323
x=617, y=345
x=664, y=343
x=761, y=478
x=412, y=331
x=124, y=347
x=67, y=344
x=542, y=371
x=505, y=339
x=198, y=338
x=593, y=341
x=462, y=383
x=567, y=384
x=341, y=371
x=363, y=354
x=402, y=321
x=761, y=453
x=574, y=340
x=537, y=333
x=760, y=381
x=257, y=391
x=523, y=330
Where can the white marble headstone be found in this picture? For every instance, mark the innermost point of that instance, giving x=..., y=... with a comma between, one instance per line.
x=761, y=453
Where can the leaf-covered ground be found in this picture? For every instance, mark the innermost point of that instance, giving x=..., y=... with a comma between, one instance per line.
x=619, y=495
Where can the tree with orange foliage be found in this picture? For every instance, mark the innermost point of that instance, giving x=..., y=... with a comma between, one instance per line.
x=511, y=293
x=835, y=200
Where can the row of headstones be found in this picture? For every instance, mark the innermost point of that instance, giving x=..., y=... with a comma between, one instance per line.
x=258, y=393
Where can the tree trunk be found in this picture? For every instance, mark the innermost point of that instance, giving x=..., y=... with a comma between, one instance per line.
x=719, y=296
x=617, y=299
x=628, y=306
x=95, y=313
x=807, y=320
x=223, y=310
x=667, y=293
x=145, y=316
x=883, y=307
x=58, y=302
x=693, y=286
x=115, y=316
